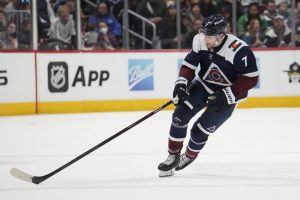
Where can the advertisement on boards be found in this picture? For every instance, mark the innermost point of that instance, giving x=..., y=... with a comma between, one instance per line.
x=85, y=76
x=68, y=78
x=17, y=79
x=96, y=76
x=141, y=74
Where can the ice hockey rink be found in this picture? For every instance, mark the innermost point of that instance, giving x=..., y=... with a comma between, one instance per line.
x=254, y=155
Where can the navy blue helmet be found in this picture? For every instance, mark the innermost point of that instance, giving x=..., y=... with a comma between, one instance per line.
x=213, y=25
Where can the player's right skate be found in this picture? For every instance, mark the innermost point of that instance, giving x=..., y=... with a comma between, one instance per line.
x=184, y=161
x=167, y=168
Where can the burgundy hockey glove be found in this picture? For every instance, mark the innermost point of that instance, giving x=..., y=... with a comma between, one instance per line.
x=180, y=90
x=221, y=99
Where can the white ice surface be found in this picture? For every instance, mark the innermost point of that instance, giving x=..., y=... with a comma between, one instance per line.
x=254, y=155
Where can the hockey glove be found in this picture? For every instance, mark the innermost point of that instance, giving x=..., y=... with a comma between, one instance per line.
x=221, y=99
x=180, y=90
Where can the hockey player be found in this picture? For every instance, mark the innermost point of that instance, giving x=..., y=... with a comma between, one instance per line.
x=217, y=74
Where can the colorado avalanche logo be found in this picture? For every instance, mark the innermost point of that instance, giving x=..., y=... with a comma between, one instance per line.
x=215, y=76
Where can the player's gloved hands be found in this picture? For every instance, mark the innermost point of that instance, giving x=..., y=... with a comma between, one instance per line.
x=221, y=99
x=180, y=90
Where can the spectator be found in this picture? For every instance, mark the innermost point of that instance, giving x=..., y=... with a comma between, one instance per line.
x=297, y=40
x=24, y=5
x=90, y=37
x=189, y=36
x=253, y=13
x=227, y=4
x=11, y=41
x=297, y=14
x=116, y=8
x=153, y=10
x=169, y=37
x=297, y=23
x=72, y=7
x=226, y=12
x=10, y=9
x=185, y=11
x=194, y=1
x=25, y=34
x=70, y=3
x=132, y=4
x=283, y=11
x=207, y=8
x=106, y=40
x=279, y=35
x=133, y=21
x=185, y=6
x=254, y=36
x=57, y=4
x=84, y=20
x=270, y=12
x=279, y=1
x=11, y=28
x=52, y=3
x=3, y=25
x=87, y=9
x=103, y=14
x=195, y=12
x=3, y=3
x=12, y=5
x=246, y=3
x=45, y=19
x=64, y=28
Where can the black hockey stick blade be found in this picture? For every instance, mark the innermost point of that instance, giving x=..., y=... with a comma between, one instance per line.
x=19, y=174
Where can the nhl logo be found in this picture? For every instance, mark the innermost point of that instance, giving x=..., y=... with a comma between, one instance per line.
x=57, y=77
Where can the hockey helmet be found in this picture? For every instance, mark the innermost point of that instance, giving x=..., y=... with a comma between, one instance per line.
x=213, y=25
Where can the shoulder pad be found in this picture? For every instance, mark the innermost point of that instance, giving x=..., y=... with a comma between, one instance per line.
x=198, y=43
x=231, y=46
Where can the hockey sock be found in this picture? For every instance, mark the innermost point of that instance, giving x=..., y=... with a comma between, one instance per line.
x=191, y=153
x=175, y=146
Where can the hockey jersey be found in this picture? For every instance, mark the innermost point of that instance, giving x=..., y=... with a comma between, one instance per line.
x=231, y=67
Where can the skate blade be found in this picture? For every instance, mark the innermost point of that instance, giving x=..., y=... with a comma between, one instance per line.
x=167, y=173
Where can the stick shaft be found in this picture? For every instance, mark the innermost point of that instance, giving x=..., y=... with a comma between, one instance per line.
x=39, y=179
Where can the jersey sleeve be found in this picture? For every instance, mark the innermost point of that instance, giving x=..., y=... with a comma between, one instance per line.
x=187, y=73
x=245, y=64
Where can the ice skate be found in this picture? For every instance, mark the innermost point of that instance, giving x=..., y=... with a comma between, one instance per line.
x=167, y=168
x=184, y=161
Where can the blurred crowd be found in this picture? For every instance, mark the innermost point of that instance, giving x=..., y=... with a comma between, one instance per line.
x=15, y=25
x=264, y=23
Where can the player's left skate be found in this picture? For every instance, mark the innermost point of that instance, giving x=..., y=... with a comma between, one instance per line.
x=184, y=161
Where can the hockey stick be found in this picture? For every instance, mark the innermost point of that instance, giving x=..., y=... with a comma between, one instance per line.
x=38, y=179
